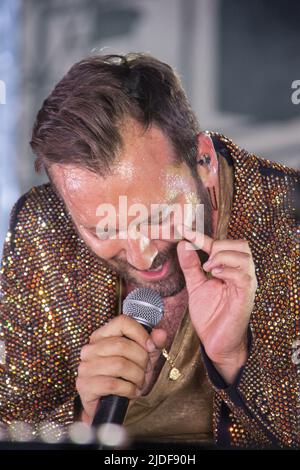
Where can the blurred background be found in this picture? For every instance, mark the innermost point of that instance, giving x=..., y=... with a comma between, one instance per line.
x=237, y=60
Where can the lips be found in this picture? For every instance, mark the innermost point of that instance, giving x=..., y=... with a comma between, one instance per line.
x=159, y=268
x=156, y=273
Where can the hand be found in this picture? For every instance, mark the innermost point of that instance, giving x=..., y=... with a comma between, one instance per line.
x=118, y=360
x=220, y=307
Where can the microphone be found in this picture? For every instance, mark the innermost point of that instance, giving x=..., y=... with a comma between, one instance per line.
x=145, y=306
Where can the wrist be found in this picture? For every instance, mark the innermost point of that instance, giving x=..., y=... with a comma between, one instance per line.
x=229, y=367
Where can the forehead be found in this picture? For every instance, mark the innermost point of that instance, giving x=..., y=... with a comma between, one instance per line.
x=145, y=165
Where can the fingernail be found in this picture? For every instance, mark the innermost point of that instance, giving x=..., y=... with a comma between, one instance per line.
x=150, y=345
x=217, y=270
x=138, y=392
x=206, y=266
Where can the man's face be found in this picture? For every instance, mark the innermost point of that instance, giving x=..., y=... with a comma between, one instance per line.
x=146, y=172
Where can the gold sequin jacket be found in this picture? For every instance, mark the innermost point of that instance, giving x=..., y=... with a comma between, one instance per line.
x=54, y=293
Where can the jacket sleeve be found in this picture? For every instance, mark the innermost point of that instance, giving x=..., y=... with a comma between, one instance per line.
x=244, y=413
x=24, y=385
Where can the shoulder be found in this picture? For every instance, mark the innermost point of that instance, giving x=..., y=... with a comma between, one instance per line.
x=236, y=154
x=36, y=210
x=275, y=183
x=40, y=197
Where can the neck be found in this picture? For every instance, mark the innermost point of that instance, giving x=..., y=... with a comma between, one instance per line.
x=175, y=308
x=215, y=213
x=215, y=218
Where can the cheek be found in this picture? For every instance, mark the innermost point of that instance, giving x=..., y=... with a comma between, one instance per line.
x=103, y=249
x=109, y=249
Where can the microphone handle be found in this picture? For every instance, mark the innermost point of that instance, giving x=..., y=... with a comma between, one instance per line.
x=112, y=409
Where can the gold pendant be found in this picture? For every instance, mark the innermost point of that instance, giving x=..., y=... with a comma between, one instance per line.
x=174, y=374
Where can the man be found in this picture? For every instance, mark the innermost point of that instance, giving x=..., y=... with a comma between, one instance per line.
x=219, y=365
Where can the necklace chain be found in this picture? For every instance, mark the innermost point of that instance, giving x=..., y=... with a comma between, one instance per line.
x=174, y=373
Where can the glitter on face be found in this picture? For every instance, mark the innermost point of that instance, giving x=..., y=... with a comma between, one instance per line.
x=124, y=169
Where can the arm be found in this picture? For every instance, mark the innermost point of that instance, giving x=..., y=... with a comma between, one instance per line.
x=25, y=368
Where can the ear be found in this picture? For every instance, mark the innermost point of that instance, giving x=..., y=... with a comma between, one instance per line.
x=207, y=169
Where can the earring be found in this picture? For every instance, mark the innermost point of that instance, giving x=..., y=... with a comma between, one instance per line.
x=213, y=200
x=204, y=159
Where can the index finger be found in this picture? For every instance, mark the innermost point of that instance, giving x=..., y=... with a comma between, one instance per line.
x=198, y=239
x=122, y=325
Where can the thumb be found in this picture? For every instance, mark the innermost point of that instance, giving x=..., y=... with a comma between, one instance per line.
x=159, y=337
x=190, y=265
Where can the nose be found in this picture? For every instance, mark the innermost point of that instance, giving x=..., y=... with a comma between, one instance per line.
x=141, y=252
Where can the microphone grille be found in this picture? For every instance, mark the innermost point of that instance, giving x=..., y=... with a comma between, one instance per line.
x=144, y=305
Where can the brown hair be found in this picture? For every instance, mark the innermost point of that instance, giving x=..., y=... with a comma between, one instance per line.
x=80, y=121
